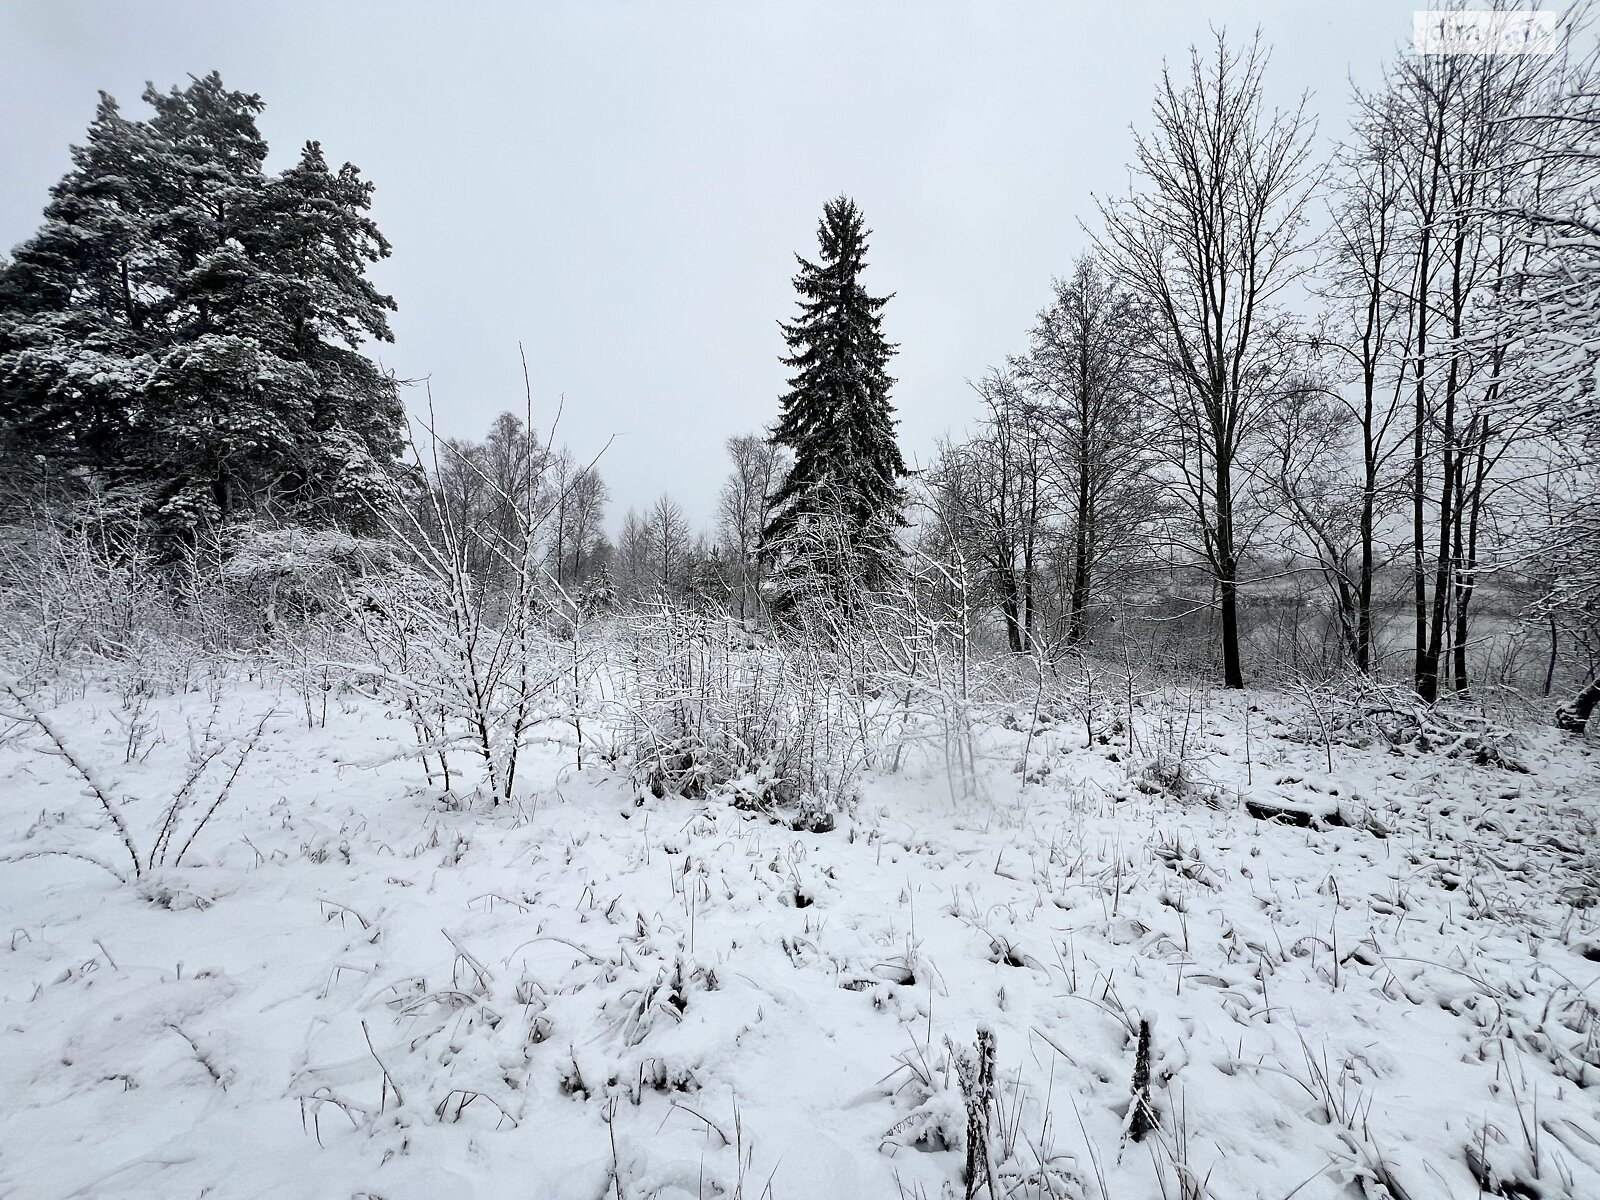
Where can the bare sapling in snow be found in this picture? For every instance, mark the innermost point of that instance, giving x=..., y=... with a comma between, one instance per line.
x=184, y=815
x=465, y=638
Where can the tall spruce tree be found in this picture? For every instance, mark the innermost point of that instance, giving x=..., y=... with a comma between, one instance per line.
x=187, y=329
x=833, y=521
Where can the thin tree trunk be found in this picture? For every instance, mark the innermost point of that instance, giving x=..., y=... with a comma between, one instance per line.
x=1428, y=676
x=1419, y=575
x=1080, y=559
x=1080, y=547
x=1227, y=574
x=1369, y=501
x=1466, y=575
x=1027, y=555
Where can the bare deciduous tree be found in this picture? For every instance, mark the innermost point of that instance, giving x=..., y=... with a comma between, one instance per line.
x=582, y=524
x=742, y=512
x=1083, y=372
x=1451, y=122
x=669, y=543
x=1367, y=270
x=1555, y=310
x=1210, y=236
x=990, y=495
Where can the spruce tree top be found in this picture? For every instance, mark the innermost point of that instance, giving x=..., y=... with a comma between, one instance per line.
x=836, y=416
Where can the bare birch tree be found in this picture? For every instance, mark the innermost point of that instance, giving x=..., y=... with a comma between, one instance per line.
x=743, y=511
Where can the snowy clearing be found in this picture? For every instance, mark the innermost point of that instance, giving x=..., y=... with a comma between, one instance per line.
x=356, y=988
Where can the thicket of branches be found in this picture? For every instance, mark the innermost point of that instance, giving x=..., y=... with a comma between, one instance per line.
x=1314, y=416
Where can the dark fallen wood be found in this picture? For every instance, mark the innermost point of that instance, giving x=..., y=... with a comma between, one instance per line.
x=1301, y=817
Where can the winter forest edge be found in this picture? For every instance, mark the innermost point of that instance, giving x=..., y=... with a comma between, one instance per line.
x=1181, y=784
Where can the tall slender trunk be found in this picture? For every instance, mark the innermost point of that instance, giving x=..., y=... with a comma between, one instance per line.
x=1028, y=542
x=1449, y=499
x=561, y=529
x=1080, y=556
x=1428, y=668
x=1455, y=638
x=1419, y=576
x=1227, y=569
x=1092, y=542
x=1364, y=579
x=1467, y=553
x=1364, y=583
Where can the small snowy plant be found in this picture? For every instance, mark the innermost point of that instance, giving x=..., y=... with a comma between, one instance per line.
x=183, y=816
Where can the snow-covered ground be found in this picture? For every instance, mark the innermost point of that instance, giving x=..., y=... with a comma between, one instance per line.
x=354, y=987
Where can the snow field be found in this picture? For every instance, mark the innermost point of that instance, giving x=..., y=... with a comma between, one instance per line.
x=353, y=987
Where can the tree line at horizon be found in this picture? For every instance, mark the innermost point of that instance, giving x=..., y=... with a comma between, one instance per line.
x=1330, y=413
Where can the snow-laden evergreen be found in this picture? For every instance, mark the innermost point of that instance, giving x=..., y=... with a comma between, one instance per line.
x=833, y=519
x=190, y=328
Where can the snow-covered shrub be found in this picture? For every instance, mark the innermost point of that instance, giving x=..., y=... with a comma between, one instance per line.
x=85, y=589
x=1362, y=711
x=472, y=674
x=293, y=573
x=81, y=587
x=470, y=632
x=779, y=728
x=215, y=759
x=1163, y=774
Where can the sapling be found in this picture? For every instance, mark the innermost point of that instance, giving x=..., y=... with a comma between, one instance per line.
x=113, y=803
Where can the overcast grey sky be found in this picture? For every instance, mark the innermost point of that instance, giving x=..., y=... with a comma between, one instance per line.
x=622, y=186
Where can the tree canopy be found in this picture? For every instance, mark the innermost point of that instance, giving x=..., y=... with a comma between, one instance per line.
x=187, y=329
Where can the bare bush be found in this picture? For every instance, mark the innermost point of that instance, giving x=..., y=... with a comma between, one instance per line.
x=706, y=706
x=184, y=808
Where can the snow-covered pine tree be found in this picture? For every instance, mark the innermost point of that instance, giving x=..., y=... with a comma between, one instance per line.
x=838, y=421
x=75, y=303
x=320, y=239
x=186, y=327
